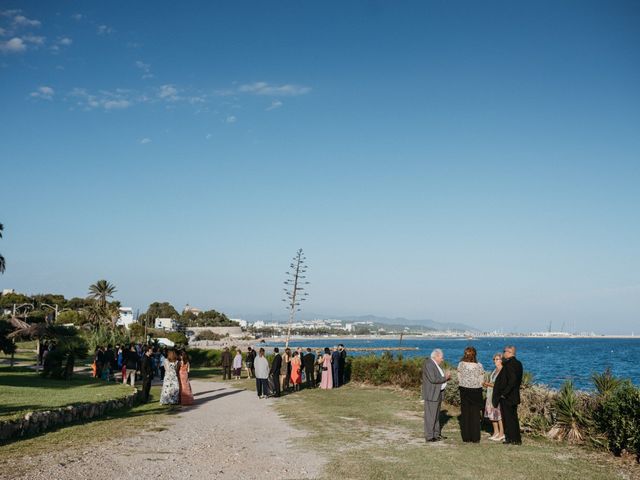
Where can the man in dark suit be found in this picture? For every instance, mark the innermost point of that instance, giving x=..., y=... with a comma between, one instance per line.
x=309, y=361
x=146, y=369
x=342, y=362
x=335, y=367
x=506, y=393
x=434, y=381
x=274, y=372
x=226, y=364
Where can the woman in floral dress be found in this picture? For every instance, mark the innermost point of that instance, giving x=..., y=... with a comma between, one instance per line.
x=170, y=394
x=186, y=396
x=491, y=412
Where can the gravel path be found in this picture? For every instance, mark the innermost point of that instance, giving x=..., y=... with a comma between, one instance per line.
x=227, y=434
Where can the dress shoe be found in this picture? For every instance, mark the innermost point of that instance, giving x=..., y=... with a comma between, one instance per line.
x=442, y=437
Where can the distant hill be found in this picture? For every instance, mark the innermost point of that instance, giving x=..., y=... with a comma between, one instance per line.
x=425, y=323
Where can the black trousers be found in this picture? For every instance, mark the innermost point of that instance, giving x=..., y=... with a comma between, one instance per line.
x=275, y=376
x=146, y=386
x=511, y=422
x=262, y=386
x=471, y=405
x=226, y=372
x=311, y=382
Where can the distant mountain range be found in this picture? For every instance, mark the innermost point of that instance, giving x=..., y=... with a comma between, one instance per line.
x=405, y=322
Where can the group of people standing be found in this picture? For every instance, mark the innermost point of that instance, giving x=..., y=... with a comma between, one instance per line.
x=290, y=369
x=500, y=405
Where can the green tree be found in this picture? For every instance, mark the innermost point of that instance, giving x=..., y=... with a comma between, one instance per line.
x=159, y=310
x=7, y=345
x=101, y=291
x=71, y=316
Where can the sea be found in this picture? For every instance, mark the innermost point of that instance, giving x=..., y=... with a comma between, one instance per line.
x=550, y=360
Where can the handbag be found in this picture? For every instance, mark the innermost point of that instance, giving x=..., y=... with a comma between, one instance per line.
x=324, y=369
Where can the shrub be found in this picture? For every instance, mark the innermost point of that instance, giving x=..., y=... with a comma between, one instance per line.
x=618, y=416
x=605, y=383
x=178, y=338
x=200, y=357
x=571, y=420
x=104, y=335
x=69, y=346
x=208, y=335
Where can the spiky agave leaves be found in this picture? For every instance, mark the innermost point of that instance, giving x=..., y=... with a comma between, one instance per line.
x=571, y=423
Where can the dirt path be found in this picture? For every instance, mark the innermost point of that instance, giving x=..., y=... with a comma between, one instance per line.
x=227, y=434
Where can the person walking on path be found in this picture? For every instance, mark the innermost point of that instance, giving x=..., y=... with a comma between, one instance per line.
x=146, y=370
x=470, y=380
x=249, y=360
x=335, y=367
x=186, y=395
x=506, y=393
x=308, y=361
x=170, y=394
x=226, y=364
x=491, y=412
x=274, y=373
x=327, y=377
x=296, y=371
x=434, y=381
x=261, y=365
x=342, y=363
x=131, y=362
x=237, y=365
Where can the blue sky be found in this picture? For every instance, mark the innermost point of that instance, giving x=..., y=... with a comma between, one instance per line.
x=459, y=161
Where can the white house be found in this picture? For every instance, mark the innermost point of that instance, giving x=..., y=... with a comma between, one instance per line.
x=166, y=324
x=239, y=321
x=126, y=317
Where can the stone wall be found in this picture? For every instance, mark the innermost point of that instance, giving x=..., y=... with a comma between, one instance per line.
x=36, y=422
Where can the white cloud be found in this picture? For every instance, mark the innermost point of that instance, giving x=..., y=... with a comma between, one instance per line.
x=34, y=39
x=116, y=104
x=263, y=88
x=22, y=21
x=77, y=16
x=168, y=92
x=108, y=100
x=146, y=69
x=9, y=13
x=144, y=141
x=44, y=93
x=274, y=104
x=104, y=30
x=66, y=41
x=15, y=45
x=231, y=119
x=208, y=136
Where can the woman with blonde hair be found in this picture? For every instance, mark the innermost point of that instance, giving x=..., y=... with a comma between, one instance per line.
x=493, y=413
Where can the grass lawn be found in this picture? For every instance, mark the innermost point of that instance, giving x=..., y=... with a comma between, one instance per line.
x=375, y=433
x=150, y=417
x=22, y=390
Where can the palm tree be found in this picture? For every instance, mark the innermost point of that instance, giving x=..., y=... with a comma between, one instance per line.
x=2, y=262
x=101, y=290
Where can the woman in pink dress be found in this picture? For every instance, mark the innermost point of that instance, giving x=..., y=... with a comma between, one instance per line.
x=327, y=379
x=186, y=396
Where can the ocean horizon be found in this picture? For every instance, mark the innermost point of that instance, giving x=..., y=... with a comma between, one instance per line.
x=551, y=360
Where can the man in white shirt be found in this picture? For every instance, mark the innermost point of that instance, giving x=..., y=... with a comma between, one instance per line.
x=434, y=381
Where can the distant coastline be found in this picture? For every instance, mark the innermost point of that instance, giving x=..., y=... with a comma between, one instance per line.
x=282, y=338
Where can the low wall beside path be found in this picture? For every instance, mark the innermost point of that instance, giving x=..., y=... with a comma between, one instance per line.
x=37, y=422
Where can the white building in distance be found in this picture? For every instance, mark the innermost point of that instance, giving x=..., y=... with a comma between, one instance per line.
x=166, y=324
x=126, y=317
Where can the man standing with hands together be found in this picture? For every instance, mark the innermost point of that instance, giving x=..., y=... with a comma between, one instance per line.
x=434, y=381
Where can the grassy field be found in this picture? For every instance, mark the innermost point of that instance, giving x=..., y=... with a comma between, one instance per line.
x=150, y=417
x=22, y=390
x=374, y=433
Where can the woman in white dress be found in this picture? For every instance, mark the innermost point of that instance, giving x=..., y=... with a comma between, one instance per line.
x=493, y=413
x=170, y=394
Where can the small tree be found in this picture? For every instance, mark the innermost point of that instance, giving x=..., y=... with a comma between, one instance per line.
x=294, y=290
